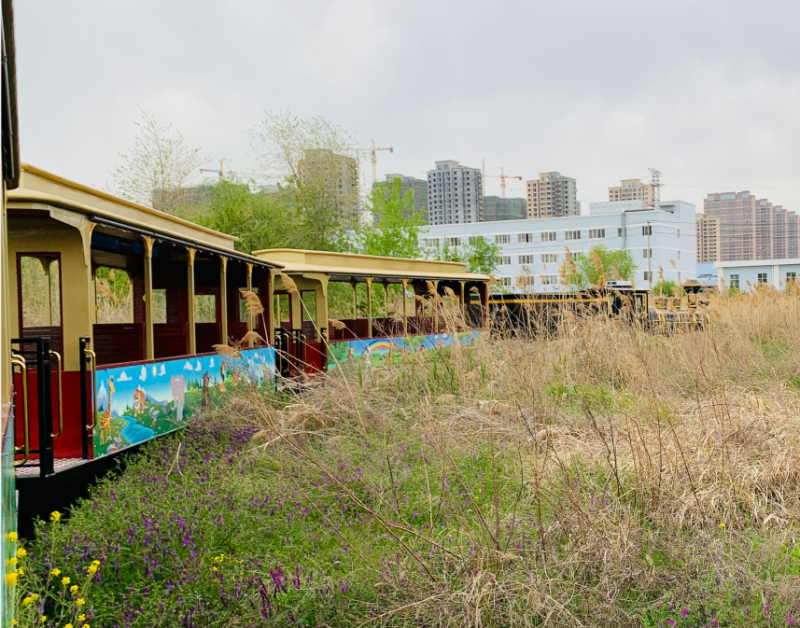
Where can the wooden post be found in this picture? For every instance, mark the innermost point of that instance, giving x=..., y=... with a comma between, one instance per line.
x=385, y=298
x=355, y=299
x=269, y=307
x=369, y=307
x=435, y=306
x=190, y=298
x=149, y=340
x=223, y=299
x=405, y=306
x=249, y=289
x=464, y=298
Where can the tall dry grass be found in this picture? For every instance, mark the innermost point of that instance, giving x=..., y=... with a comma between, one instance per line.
x=604, y=475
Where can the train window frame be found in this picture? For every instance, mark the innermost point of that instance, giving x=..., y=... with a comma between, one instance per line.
x=53, y=256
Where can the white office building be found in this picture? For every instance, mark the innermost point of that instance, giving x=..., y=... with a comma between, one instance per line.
x=455, y=194
x=746, y=275
x=535, y=248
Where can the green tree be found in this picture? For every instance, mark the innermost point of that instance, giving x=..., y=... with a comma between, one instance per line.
x=480, y=254
x=668, y=288
x=398, y=230
x=316, y=160
x=156, y=170
x=601, y=264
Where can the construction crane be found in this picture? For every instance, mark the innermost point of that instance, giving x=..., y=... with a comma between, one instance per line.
x=502, y=176
x=374, y=157
x=220, y=172
x=655, y=183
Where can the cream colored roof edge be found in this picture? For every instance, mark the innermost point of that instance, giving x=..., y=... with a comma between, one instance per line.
x=338, y=270
x=289, y=267
x=19, y=194
x=360, y=256
x=22, y=195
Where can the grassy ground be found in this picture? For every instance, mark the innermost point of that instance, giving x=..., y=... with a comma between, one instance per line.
x=607, y=477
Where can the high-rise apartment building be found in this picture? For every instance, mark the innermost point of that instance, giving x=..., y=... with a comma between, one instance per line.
x=418, y=186
x=327, y=171
x=746, y=228
x=551, y=196
x=632, y=190
x=455, y=194
x=707, y=236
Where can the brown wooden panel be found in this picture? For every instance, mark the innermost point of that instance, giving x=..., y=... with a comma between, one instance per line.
x=119, y=342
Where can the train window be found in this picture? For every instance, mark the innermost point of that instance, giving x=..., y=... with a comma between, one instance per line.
x=310, y=305
x=113, y=296
x=40, y=290
x=282, y=307
x=159, y=306
x=205, y=308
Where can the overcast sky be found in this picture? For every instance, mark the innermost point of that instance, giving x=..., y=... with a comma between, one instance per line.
x=708, y=91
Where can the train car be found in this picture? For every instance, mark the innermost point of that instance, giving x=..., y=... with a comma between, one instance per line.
x=539, y=314
x=435, y=304
x=10, y=178
x=113, y=314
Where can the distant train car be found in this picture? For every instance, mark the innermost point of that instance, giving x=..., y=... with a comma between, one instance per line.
x=536, y=314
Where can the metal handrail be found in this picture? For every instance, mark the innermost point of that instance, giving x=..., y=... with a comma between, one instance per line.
x=93, y=357
x=60, y=397
x=26, y=447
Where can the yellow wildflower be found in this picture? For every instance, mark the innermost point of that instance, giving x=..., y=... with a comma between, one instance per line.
x=65, y=581
x=86, y=626
x=11, y=578
x=44, y=618
x=721, y=525
x=96, y=562
x=12, y=536
x=213, y=569
x=80, y=601
x=20, y=572
x=34, y=596
x=92, y=569
x=56, y=572
x=13, y=622
x=73, y=589
x=81, y=617
x=12, y=561
x=22, y=552
x=68, y=626
x=55, y=515
x=27, y=601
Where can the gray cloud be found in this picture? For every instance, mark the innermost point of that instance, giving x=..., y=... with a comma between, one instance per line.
x=706, y=90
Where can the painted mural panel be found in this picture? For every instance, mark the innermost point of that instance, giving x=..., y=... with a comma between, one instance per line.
x=138, y=402
x=378, y=351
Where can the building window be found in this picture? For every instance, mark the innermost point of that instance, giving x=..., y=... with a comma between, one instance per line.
x=453, y=241
x=505, y=260
x=505, y=282
x=572, y=235
x=619, y=232
x=432, y=242
x=647, y=230
x=549, y=236
x=647, y=253
x=791, y=276
x=762, y=278
x=550, y=280
x=678, y=233
x=734, y=281
x=526, y=259
x=503, y=239
x=597, y=234
x=525, y=237
x=679, y=254
x=549, y=258
x=648, y=275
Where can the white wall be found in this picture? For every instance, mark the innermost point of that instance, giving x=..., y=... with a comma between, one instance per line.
x=672, y=239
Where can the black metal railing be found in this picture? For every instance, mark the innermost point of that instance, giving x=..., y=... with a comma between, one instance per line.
x=33, y=356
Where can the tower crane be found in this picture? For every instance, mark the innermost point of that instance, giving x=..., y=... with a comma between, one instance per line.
x=373, y=157
x=503, y=176
x=220, y=172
